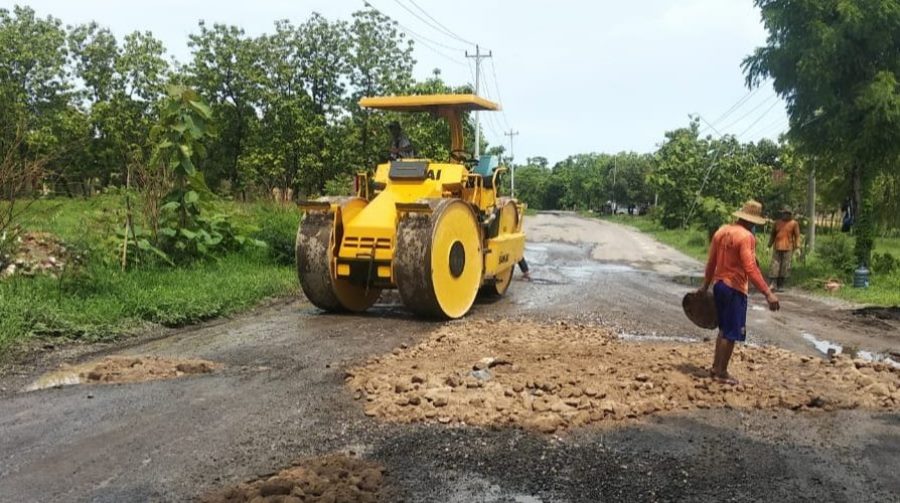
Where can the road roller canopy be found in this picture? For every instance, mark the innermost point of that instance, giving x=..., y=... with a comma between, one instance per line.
x=448, y=106
x=429, y=103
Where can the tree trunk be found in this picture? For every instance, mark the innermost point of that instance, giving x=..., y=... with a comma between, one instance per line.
x=863, y=221
x=811, y=211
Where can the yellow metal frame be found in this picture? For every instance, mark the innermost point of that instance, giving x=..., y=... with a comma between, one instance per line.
x=371, y=232
x=448, y=106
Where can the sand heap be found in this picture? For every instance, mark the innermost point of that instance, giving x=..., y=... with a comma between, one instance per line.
x=548, y=377
x=335, y=478
x=121, y=369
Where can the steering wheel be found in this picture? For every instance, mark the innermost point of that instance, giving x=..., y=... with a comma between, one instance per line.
x=462, y=155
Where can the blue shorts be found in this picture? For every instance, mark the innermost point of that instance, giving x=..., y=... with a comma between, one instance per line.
x=731, y=307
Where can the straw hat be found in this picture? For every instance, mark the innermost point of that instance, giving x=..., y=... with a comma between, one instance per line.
x=751, y=212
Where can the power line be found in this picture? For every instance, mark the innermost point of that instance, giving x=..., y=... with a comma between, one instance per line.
x=499, y=96
x=777, y=124
x=492, y=119
x=420, y=18
x=478, y=56
x=761, y=117
x=446, y=30
x=734, y=107
x=757, y=107
x=418, y=38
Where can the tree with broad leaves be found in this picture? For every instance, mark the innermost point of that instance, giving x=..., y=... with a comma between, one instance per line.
x=34, y=86
x=836, y=64
x=381, y=63
x=227, y=71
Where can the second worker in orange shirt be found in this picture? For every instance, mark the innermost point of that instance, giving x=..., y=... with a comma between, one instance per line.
x=784, y=241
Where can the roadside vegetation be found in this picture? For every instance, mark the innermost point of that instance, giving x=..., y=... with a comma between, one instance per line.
x=833, y=260
x=92, y=298
x=170, y=185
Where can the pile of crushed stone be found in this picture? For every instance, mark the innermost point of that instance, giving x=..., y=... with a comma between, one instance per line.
x=551, y=377
x=334, y=478
x=122, y=369
x=36, y=253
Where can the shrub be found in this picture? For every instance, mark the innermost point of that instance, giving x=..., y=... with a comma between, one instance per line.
x=278, y=229
x=884, y=263
x=837, y=252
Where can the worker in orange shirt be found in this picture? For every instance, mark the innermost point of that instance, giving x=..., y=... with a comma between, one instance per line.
x=784, y=241
x=729, y=270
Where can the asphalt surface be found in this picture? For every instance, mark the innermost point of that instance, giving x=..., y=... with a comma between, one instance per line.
x=280, y=397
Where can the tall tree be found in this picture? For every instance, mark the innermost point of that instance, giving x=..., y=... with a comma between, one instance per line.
x=381, y=62
x=33, y=80
x=289, y=124
x=836, y=64
x=226, y=69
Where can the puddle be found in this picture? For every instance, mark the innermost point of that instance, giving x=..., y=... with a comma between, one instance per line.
x=825, y=347
x=589, y=269
x=625, y=336
x=118, y=369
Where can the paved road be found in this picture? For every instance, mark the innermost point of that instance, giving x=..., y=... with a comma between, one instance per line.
x=281, y=397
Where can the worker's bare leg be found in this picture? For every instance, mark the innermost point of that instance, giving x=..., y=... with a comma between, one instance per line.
x=715, y=365
x=724, y=349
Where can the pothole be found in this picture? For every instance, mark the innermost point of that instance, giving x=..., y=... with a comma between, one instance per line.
x=333, y=478
x=122, y=369
x=555, y=376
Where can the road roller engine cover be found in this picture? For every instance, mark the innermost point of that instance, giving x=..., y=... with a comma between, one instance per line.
x=434, y=229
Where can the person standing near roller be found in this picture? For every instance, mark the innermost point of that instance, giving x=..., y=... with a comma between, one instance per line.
x=784, y=241
x=730, y=268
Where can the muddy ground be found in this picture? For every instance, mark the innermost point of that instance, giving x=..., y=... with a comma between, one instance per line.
x=280, y=396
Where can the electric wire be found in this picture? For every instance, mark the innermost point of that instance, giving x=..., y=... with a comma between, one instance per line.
x=499, y=96
x=446, y=30
x=740, y=103
x=418, y=38
x=407, y=9
x=750, y=112
x=761, y=117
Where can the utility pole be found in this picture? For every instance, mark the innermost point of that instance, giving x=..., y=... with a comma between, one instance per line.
x=811, y=211
x=478, y=56
x=512, y=165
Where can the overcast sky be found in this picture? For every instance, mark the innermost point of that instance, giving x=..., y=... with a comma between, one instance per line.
x=574, y=76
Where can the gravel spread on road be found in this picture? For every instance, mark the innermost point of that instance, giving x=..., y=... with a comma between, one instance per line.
x=123, y=369
x=333, y=478
x=549, y=377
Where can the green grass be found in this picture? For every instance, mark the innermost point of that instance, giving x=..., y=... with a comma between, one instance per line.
x=100, y=302
x=809, y=274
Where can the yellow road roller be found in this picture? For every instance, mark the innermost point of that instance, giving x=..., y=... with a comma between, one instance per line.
x=435, y=230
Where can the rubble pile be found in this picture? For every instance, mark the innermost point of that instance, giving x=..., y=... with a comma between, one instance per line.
x=36, y=253
x=549, y=377
x=123, y=369
x=334, y=478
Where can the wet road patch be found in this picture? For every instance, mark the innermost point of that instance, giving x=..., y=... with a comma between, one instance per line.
x=122, y=369
x=334, y=478
x=549, y=377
